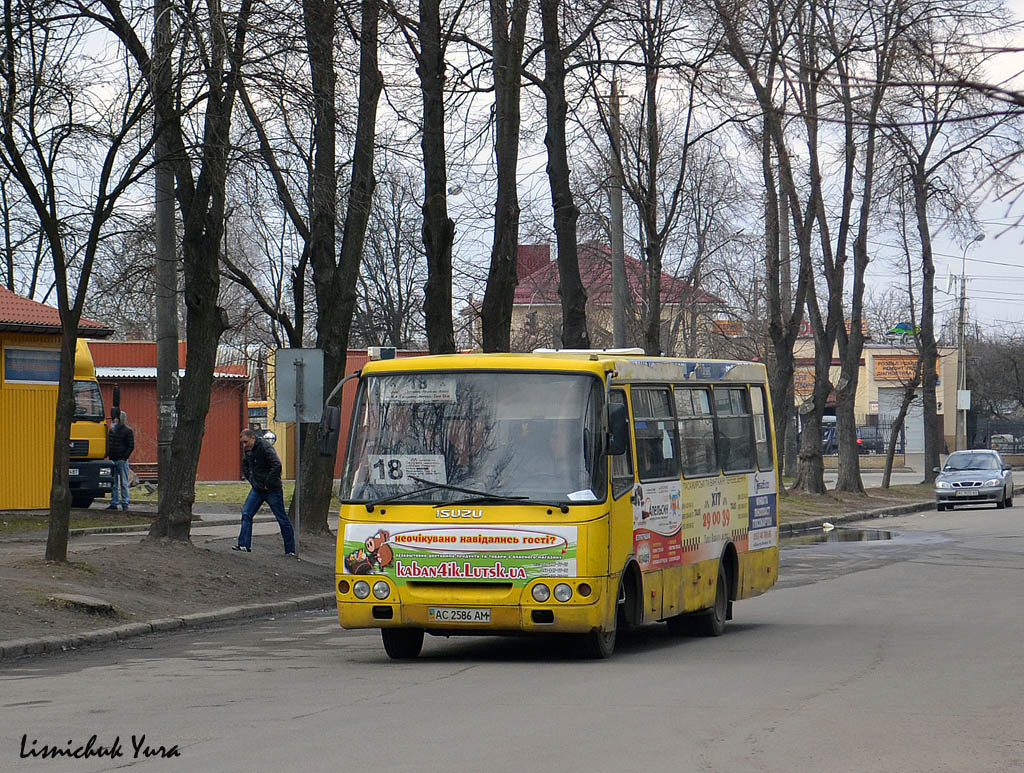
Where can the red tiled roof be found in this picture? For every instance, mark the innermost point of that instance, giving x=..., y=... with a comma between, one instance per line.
x=541, y=285
x=23, y=315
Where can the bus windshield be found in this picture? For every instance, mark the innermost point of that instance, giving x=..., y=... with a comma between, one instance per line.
x=533, y=436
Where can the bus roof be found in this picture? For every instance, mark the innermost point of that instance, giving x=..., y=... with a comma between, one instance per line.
x=627, y=367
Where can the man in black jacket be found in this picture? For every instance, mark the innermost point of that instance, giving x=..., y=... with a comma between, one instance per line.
x=262, y=468
x=120, y=444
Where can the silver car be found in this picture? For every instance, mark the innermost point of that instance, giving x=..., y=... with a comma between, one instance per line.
x=970, y=477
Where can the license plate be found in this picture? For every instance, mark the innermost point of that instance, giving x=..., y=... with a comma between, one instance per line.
x=967, y=493
x=73, y=472
x=458, y=615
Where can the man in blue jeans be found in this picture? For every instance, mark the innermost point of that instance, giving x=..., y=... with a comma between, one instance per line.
x=120, y=444
x=262, y=468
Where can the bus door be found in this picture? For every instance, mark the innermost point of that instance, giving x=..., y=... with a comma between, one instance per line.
x=656, y=499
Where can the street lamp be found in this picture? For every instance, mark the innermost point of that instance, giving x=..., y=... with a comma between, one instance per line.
x=961, y=363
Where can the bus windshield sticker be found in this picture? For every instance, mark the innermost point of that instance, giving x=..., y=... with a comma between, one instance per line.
x=418, y=389
x=400, y=469
x=583, y=495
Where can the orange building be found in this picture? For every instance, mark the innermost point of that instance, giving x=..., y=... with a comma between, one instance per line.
x=131, y=366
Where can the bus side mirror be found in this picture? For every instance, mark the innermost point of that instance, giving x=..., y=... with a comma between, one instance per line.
x=618, y=429
x=328, y=431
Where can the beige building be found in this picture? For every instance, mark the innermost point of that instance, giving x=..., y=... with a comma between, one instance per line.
x=885, y=368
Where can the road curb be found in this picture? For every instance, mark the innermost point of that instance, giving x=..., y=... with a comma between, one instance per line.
x=64, y=642
x=128, y=529
x=787, y=529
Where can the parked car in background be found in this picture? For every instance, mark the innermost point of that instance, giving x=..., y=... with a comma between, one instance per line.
x=970, y=477
x=872, y=440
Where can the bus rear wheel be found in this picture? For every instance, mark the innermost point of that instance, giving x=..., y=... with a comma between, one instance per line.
x=402, y=643
x=712, y=622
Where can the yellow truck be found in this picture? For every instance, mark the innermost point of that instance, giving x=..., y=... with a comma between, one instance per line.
x=90, y=474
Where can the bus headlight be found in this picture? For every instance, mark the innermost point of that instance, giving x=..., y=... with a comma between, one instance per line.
x=105, y=472
x=381, y=590
x=563, y=592
x=361, y=589
x=541, y=592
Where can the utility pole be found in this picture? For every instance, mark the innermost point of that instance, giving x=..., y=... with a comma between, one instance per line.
x=961, y=361
x=618, y=247
x=166, y=263
x=790, y=441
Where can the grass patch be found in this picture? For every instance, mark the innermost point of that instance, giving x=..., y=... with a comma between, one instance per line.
x=233, y=493
x=799, y=505
x=18, y=524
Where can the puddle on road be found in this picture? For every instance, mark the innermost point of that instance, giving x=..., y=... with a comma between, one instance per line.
x=818, y=535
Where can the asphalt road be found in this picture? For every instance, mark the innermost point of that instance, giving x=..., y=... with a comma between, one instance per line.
x=895, y=655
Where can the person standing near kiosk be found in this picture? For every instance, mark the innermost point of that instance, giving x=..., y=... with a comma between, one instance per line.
x=120, y=444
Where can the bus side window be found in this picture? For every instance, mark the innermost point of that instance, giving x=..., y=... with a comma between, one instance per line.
x=761, y=433
x=735, y=429
x=654, y=432
x=622, y=465
x=696, y=431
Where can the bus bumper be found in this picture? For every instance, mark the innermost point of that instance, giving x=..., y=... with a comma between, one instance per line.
x=578, y=615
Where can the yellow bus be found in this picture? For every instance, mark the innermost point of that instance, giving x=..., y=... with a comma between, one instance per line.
x=570, y=492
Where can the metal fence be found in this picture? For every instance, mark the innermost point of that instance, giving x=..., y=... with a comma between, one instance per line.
x=1005, y=435
x=874, y=438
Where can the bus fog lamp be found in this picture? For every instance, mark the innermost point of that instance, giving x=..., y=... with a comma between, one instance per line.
x=541, y=592
x=343, y=586
x=361, y=589
x=584, y=589
x=381, y=590
x=563, y=592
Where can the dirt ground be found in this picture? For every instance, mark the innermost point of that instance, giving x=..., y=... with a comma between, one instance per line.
x=148, y=579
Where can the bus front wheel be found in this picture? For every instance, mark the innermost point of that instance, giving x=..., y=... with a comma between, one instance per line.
x=402, y=643
x=598, y=645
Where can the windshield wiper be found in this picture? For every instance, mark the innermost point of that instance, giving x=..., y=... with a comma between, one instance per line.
x=484, y=496
x=505, y=498
x=400, y=495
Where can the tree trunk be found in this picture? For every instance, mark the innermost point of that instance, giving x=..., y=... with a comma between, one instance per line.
x=336, y=283
x=848, y=478
x=811, y=467
x=507, y=36
x=909, y=391
x=438, y=228
x=570, y=286
x=926, y=338
x=201, y=199
x=205, y=323
x=60, y=493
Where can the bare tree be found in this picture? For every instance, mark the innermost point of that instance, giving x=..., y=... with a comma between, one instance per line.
x=389, y=310
x=69, y=131
x=942, y=138
x=508, y=33
x=212, y=43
